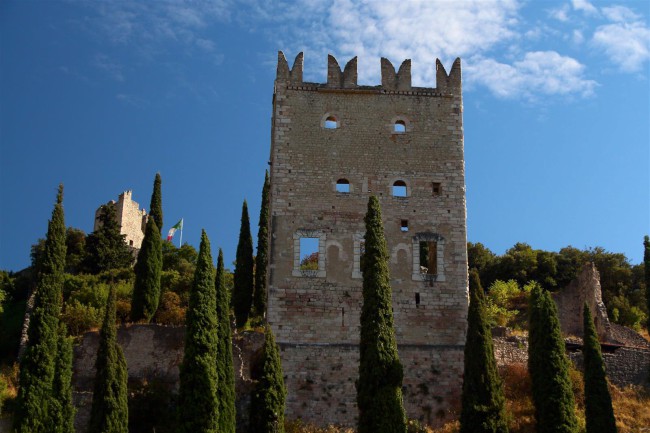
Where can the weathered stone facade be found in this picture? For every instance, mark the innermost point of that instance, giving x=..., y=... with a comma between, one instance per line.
x=130, y=217
x=333, y=145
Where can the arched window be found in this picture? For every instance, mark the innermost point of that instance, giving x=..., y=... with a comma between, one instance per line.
x=399, y=127
x=343, y=185
x=331, y=123
x=399, y=188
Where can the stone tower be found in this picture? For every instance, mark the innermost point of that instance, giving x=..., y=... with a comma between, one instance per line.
x=130, y=217
x=332, y=146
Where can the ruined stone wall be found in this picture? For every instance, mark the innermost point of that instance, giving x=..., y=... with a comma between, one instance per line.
x=130, y=217
x=339, y=132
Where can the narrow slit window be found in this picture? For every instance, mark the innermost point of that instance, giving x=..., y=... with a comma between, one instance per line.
x=343, y=185
x=436, y=189
x=417, y=299
x=331, y=123
x=404, y=225
x=429, y=257
x=308, y=254
x=399, y=188
x=399, y=127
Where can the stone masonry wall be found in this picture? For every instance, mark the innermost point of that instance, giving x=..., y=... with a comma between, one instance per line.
x=315, y=313
x=130, y=217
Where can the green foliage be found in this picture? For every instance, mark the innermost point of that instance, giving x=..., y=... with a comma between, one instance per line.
x=262, y=259
x=549, y=367
x=155, y=206
x=151, y=408
x=646, y=264
x=75, y=241
x=198, y=402
x=598, y=403
x=624, y=313
x=483, y=401
x=35, y=398
x=62, y=410
x=105, y=247
x=497, y=305
x=148, y=268
x=379, y=388
x=109, y=412
x=225, y=369
x=243, y=292
x=268, y=399
x=80, y=318
x=310, y=262
x=171, y=311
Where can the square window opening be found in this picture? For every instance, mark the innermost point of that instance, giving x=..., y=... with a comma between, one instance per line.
x=436, y=189
x=399, y=189
x=404, y=225
x=343, y=186
x=308, y=254
x=428, y=257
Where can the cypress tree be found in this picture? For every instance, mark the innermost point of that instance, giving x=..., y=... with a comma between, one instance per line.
x=148, y=270
x=38, y=366
x=483, y=400
x=646, y=266
x=379, y=388
x=155, y=207
x=243, y=278
x=109, y=412
x=63, y=411
x=262, y=258
x=198, y=402
x=268, y=399
x=225, y=369
x=598, y=403
x=549, y=367
x=106, y=248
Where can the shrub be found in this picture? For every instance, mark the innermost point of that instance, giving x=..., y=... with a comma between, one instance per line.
x=80, y=318
x=170, y=312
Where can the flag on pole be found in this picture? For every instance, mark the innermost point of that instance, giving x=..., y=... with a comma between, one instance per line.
x=178, y=226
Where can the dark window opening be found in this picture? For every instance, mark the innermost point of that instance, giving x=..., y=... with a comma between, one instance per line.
x=417, y=300
x=308, y=254
x=331, y=123
x=342, y=316
x=436, y=189
x=399, y=126
x=399, y=188
x=343, y=185
x=404, y=225
x=131, y=243
x=428, y=257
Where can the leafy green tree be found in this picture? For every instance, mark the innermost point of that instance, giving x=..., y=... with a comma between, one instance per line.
x=38, y=366
x=483, y=401
x=225, y=369
x=598, y=403
x=198, y=402
x=262, y=257
x=243, y=291
x=109, y=412
x=646, y=264
x=62, y=410
x=549, y=367
x=268, y=399
x=379, y=388
x=155, y=207
x=106, y=248
x=480, y=257
x=75, y=241
x=148, y=270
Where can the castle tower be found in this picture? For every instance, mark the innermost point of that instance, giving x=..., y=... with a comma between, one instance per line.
x=332, y=146
x=130, y=217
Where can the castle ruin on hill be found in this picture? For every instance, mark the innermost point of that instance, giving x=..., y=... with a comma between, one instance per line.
x=130, y=217
x=332, y=146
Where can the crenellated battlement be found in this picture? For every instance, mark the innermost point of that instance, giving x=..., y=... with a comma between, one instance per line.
x=391, y=81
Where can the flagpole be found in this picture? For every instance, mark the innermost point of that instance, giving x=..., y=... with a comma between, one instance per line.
x=180, y=242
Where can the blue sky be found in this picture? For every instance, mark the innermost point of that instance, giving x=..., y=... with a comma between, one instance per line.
x=102, y=95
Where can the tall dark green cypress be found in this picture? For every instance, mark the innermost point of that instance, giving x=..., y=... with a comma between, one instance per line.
x=243, y=278
x=155, y=207
x=225, y=369
x=38, y=366
x=148, y=270
x=549, y=367
x=379, y=388
x=483, y=409
x=198, y=402
x=109, y=412
x=268, y=399
x=106, y=247
x=262, y=257
x=599, y=412
x=646, y=265
x=63, y=411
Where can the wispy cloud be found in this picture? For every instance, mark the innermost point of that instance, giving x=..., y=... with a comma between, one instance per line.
x=626, y=40
x=112, y=68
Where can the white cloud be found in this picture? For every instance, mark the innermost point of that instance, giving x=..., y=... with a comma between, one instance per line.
x=620, y=14
x=560, y=14
x=626, y=44
x=584, y=6
x=537, y=75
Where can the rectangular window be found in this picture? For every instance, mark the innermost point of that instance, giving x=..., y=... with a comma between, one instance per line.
x=428, y=257
x=308, y=254
x=404, y=225
x=436, y=189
